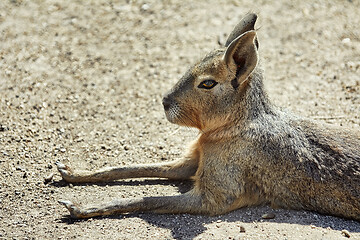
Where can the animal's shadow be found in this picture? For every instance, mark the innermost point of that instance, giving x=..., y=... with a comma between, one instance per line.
x=186, y=226
x=182, y=186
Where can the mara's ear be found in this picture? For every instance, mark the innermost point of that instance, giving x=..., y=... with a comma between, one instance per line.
x=246, y=24
x=242, y=55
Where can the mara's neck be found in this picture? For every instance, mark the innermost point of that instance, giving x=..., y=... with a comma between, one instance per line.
x=255, y=101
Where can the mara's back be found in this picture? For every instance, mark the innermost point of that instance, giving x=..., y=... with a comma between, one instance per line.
x=317, y=166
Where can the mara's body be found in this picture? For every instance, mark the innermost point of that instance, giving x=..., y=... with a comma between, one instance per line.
x=248, y=151
x=278, y=158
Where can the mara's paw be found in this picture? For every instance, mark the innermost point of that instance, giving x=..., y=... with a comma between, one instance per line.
x=65, y=171
x=73, y=209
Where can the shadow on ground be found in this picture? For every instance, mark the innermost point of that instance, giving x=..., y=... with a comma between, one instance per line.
x=186, y=226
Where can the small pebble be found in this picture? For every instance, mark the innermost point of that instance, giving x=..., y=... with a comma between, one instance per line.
x=3, y=128
x=346, y=41
x=48, y=178
x=242, y=229
x=345, y=233
x=19, y=168
x=145, y=7
x=268, y=216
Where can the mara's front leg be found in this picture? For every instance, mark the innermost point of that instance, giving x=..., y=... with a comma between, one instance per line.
x=189, y=202
x=182, y=169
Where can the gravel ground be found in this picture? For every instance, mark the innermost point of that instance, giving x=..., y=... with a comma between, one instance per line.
x=82, y=81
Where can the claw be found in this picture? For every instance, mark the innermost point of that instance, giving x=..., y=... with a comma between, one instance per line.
x=65, y=171
x=60, y=165
x=66, y=203
x=73, y=209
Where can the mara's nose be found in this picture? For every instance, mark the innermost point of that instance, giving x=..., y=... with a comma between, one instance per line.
x=166, y=103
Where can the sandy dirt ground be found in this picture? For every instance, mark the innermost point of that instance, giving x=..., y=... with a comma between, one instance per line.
x=82, y=81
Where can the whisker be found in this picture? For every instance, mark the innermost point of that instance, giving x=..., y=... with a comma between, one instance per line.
x=175, y=131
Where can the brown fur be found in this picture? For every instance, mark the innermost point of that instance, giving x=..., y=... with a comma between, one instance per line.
x=248, y=152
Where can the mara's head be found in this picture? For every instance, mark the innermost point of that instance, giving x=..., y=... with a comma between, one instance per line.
x=206, y=95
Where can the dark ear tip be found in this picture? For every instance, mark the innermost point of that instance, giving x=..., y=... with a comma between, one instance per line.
x=252, y=15
x=247, y=23
x=251, y=18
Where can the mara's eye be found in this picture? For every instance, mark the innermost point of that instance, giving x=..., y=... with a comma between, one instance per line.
x=207, y=84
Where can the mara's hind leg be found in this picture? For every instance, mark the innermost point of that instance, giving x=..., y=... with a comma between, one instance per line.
x=193, y=202
x=182, y=169
x=184, y=203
